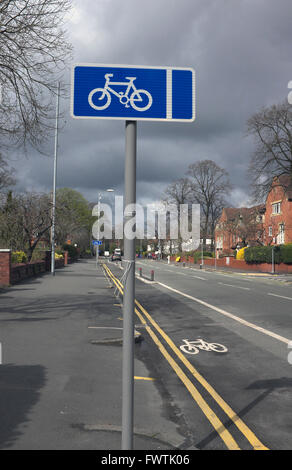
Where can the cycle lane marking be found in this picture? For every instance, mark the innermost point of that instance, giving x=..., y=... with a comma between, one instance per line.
x=250, y=436
x=229, y=315
x=205, y=408
x=197, y=345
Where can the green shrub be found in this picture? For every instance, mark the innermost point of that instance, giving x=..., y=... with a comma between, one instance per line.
x=286, y=253
x=262, y=254
x=72, y=250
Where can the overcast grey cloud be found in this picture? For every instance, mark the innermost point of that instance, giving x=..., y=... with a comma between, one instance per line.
x=241, y=51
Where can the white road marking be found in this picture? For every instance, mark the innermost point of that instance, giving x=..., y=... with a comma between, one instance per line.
x=194, y=347
x=231, y=285
x=227, y=314
x=104, y=328
x=282, y=296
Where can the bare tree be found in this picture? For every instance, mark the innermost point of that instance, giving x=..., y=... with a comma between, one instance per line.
x=6, y=175
x=272, y=129
x=177, y=193
x=11, y=230
x=33, y=51
x=245, y=225
x=34, y=211
x=209, y=186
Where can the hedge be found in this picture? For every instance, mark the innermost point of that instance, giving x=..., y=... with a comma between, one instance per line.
x=72, y=251
x=263, y=254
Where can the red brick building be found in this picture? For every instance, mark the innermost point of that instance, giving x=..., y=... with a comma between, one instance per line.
x=278, y=214
x=239, y=227
x=265, y=224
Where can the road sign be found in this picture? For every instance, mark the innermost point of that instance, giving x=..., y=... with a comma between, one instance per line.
x=97, y=242
x=133, y=92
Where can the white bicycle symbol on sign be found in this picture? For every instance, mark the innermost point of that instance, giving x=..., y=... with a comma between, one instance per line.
x=193, y=347
x=140, y=100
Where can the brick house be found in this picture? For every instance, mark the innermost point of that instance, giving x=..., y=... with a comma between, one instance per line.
x=239, y=227
x=278, y=214
x=264, y=224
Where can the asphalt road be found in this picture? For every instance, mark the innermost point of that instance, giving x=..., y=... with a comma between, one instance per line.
x=251, y=317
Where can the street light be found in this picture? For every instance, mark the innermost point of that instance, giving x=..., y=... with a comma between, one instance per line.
x=98, y=212
x=111, y=190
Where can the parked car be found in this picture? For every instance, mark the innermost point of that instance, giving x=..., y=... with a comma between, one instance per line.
x=117, y=255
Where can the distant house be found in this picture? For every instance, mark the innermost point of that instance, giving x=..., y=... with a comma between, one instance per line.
x=239, y=227
x=264, y=224
x=278, y=215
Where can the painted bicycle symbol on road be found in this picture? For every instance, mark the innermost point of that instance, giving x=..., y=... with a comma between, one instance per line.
x=140, y=99
x=194, y=347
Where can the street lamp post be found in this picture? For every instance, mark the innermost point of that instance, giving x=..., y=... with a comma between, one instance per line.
x=273, y=260
x=215, y=255
x=54, y=185
x=98, y=234
x=110, y=190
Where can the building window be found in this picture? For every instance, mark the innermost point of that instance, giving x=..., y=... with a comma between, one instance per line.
x=270, y=231
x=276, y=208
x=281, y=236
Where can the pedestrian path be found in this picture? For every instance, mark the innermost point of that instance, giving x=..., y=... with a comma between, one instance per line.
x=61, y=376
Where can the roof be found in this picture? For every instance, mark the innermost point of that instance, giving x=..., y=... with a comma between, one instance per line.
x=285, y=181
x=233, y=212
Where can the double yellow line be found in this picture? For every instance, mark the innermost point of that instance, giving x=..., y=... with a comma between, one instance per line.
x=209, y=413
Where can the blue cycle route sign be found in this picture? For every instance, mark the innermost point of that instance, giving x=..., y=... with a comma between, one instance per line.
x=133, y=92
x=96, y=242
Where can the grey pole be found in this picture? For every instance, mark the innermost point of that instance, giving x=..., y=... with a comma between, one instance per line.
x=273, y=261
x=129, y=291
x=54, y=186
x=97, y=246
x=215, y=256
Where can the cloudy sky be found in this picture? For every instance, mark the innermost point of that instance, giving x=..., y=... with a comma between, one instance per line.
x=241, y=51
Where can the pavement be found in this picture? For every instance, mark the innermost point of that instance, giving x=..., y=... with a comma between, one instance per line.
x=60, y=380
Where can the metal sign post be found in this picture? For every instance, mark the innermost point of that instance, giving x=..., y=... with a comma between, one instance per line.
x=129, y=290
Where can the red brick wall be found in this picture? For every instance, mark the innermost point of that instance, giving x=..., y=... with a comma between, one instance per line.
x=242, y=265
x=5, y=267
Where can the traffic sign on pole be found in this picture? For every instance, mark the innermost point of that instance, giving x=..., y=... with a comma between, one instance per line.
x=133, y=92
x=97, y=242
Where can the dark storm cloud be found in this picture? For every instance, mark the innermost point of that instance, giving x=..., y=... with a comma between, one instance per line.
x=241, y=51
